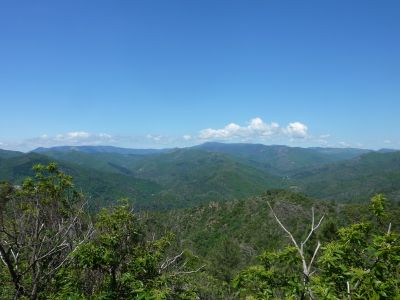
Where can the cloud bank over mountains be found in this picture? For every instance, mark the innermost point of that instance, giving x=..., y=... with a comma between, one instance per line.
x=254, y=131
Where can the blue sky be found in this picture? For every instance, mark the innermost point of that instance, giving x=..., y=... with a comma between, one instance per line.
x=176, y=73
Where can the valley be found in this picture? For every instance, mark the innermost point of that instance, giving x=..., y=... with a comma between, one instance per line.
x=178, y=178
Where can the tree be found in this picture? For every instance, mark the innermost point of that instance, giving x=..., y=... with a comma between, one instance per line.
x=41, y=225
x=49, y=248
x=118, y=262
x=227, y=257
x=293, y=259
x=363, y=262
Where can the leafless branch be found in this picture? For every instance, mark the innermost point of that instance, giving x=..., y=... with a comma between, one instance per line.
x=283, y=227
x=313, y=257
x=189, y=272
x=170, y=261
x=307, y=273
x=348, y=289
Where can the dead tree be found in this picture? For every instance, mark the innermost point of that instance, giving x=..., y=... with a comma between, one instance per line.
x=307, y=264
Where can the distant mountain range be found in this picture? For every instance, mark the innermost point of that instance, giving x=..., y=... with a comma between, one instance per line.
x=169, y=178
x=283, y=160
x=101, y=149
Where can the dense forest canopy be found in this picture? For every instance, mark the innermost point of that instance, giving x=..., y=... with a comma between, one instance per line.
x=279, y=244
x=179, y=178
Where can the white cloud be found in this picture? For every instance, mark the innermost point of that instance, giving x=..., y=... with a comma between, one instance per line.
x=78, y=134
x=187, y=137
x=256, y=128
x=229, y=131
x=387, y=141
x=73, y=138
x=296, y=130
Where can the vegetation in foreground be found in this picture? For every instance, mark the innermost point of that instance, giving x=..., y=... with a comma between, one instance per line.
x=52, y=249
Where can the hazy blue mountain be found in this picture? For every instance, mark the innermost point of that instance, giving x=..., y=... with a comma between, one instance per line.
x=9, y=153
x=387, y=150
x=101, y=161
x=282, y=160
x=337, y=154
x=100, y=149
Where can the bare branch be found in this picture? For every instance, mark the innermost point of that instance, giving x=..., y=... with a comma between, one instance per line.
x=189, y=272
x=170, y=261
x=313, y=257
x=300, y=249
x=313, y=228
x=389, y=228
x=283, y=227
x=348, y=289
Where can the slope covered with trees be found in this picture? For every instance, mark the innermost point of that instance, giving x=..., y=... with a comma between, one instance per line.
x=172, y=178
x=179, y=178
x=102, y=187
x=363, y=262
x=283, y=160
x=353, y=180
x=51, y=248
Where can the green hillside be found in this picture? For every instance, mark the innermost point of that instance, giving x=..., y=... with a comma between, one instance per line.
x=101, y=149
x=102, y=161
x=282, y=160
x=353, y=180
x=165, y=179
x=102, y=188
x=221, y=238
x=230, y=235
x=8, y=153
x=275, y=159
x=181, y=178
x=190, y=177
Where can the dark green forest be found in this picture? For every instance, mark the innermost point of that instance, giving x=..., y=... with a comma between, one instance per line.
x=215, y=221
x=179, y=178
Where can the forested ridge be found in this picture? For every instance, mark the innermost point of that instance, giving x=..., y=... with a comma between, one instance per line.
x=214, y=172
x=215, y=221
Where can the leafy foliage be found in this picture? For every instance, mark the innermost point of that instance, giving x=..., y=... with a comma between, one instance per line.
x=118, y=263
x=50, y=250
x=40, y=226
x=362, y=263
